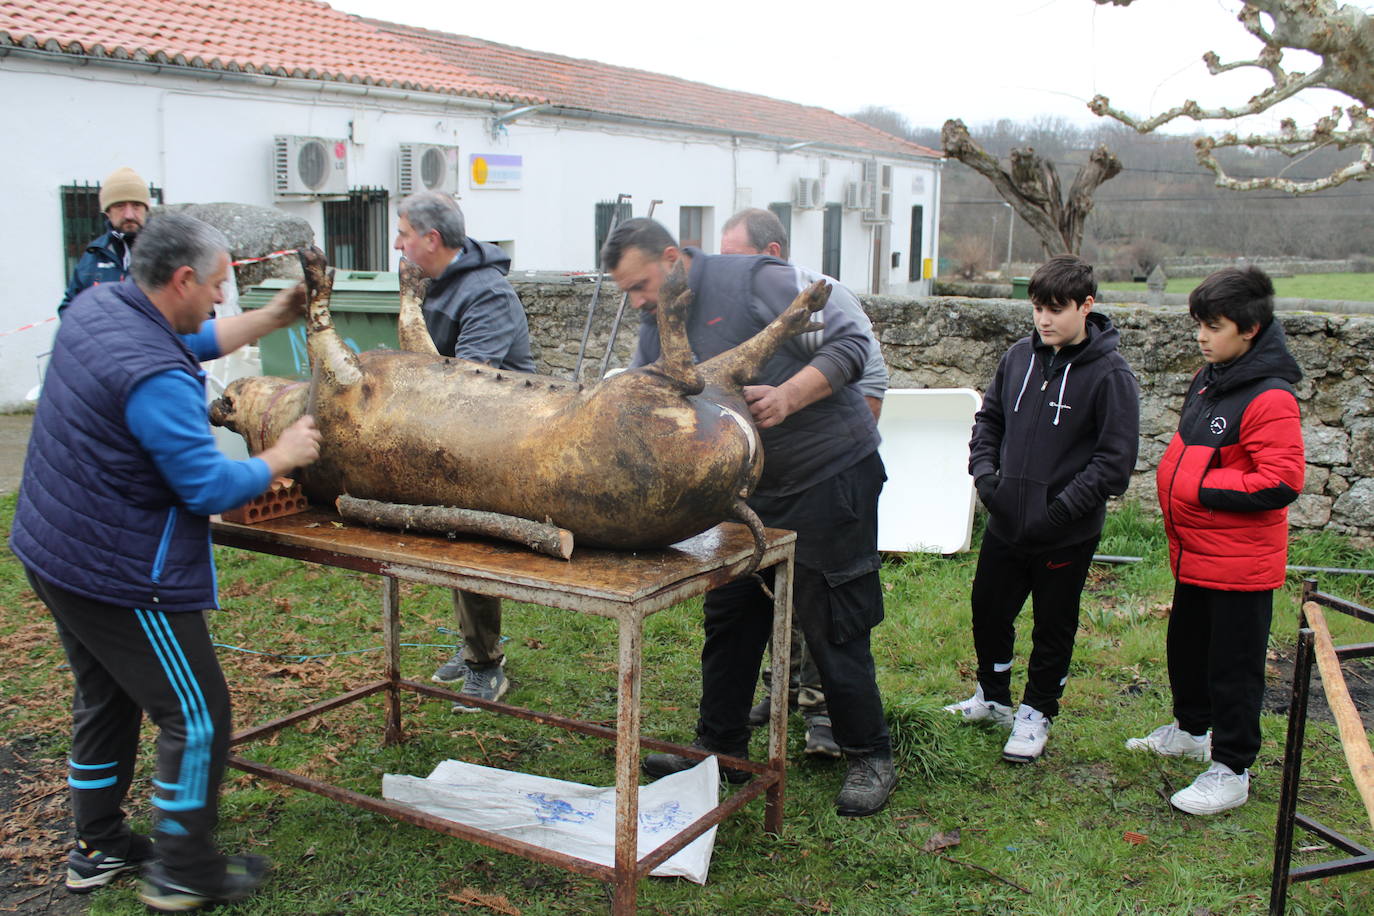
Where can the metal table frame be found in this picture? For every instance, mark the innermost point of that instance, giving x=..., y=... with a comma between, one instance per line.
x=627, y=587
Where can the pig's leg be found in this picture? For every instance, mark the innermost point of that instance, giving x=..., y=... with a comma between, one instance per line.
x=411, y=332
x=331, y=360
x=742, y=364
x=676, y=360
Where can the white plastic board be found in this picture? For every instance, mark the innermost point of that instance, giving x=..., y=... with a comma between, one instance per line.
x=927, y=502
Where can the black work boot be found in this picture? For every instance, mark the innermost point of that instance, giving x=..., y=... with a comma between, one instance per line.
x=867, y=785
x=660, y=765
x=820, y=740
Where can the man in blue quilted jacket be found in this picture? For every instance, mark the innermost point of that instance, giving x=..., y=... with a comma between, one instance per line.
x=112, y=527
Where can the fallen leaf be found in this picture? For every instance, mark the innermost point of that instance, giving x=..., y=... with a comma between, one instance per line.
x=337, y=524
x=313, y=525
x=470, y=896
x=533, y=643
x=940, y=841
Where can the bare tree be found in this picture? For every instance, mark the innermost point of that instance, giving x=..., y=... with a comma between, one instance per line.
x=1342, y=36
x=1033, y=189
x=883, y=118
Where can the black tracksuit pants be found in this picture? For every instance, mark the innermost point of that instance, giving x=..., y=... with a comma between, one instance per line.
x=127, y=662
x=1216, y=647
x=837, y=517
x=1054, y=580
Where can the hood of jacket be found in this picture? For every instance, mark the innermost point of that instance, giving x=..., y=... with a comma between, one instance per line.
x=1268, y=357
x=475, y=256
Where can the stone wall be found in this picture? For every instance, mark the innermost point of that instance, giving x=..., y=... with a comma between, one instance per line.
x=949, y=342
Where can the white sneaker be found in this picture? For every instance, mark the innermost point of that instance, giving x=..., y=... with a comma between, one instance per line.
x=1029, y=732
x=1172, y=741
x=978, y=709
x=1217, y=790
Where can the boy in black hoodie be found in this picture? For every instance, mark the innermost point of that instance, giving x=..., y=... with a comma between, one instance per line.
x=1057, y=435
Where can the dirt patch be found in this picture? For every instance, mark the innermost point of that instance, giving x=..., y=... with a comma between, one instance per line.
x=36, y=833
x=14, y=441
x=1278, y=688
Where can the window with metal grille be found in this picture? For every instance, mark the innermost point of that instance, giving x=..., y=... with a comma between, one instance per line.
x=356, y=232
x=83, y=221
x=783, y=211
x=830, y=240
x=605, y=210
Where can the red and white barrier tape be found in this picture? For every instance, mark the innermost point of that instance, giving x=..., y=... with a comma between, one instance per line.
x=27, y=326
x=266, y=257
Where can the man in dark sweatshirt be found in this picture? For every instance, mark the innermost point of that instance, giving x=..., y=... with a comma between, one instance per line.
x=1057, y=435
x=472, y=312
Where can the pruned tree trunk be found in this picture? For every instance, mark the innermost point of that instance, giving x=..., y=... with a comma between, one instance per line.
x=542, y=537
x=1033, y=189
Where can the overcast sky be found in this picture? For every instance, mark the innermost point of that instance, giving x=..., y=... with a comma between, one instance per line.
x=978, y=60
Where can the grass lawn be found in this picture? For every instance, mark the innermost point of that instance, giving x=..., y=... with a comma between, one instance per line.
x=1040, y=839
x=1356, y=287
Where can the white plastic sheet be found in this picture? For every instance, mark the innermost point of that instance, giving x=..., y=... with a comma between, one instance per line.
x=568, y=817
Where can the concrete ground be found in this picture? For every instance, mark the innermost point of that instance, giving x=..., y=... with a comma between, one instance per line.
x=14, y=440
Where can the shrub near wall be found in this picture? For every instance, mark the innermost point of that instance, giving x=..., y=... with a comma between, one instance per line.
x=949, y=342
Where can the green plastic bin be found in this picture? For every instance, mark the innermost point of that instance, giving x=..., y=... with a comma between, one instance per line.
x=1020, y=287
x=364, y=305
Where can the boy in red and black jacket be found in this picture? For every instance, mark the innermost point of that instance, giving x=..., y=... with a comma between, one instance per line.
x=1224, y=483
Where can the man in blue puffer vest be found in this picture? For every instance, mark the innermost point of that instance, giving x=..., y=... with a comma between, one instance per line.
x=112, y=526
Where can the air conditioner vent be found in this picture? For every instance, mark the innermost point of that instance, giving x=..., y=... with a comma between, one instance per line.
x=426, y=167
x=309, y=166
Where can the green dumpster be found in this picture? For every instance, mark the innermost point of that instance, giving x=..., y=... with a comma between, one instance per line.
x=364, y=305
x=1020, y=287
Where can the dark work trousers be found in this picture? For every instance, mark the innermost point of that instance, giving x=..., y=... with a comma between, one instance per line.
x=1054, y=580
x=1216, y=643
x=836, y=604
x=127, y=662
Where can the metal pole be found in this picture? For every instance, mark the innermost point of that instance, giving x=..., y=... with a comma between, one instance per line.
x=1011, y=227
x=596, y=292
x=619, y=313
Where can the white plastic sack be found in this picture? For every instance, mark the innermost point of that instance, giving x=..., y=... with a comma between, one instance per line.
x=568, y=817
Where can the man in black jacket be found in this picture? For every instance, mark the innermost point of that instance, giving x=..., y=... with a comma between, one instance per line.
x=124, y=201
x=472, y=312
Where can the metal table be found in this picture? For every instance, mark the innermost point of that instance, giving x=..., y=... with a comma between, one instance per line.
x=627, y=587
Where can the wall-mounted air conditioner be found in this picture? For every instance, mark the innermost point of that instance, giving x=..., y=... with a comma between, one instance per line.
x=809, y=194
x=309, y=166
x=426, y=167
x=858, y=195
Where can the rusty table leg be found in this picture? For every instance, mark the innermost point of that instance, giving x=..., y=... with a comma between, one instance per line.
x=631, y=632
x=777, y=725
x=391, y=633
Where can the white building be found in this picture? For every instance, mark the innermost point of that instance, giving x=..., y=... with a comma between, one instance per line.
x=334, y=118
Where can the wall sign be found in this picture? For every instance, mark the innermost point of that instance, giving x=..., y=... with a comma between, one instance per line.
x=495, y=171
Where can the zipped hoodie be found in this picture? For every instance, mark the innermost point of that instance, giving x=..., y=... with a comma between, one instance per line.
x=1231, y=470
x=1061, y=431
x=472, y=311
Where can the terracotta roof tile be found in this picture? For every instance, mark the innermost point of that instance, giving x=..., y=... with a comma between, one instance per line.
x=304, y=38
x=586, y=84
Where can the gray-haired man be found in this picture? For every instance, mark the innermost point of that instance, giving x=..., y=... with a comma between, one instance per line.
x=472, y=312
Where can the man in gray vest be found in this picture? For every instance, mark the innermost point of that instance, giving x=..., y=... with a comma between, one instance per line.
x=821, y=478
x=754, y=232
x=472, y=312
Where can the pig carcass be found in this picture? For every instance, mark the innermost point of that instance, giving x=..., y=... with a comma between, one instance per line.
x=642, y=459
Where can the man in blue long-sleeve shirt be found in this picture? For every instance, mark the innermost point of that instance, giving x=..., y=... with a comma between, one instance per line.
x=121, y=474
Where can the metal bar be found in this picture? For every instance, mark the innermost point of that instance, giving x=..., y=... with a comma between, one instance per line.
x=1332, y=836
x=1280, y=877
x=781, y=675
x=596, y=292
x=391, y=632
x=1329, y=869
x=619, y=313
x=1339, y=604
x=343, y=699
x=421, y=819
x=630, y=634
x=1108, y=558
x=712, y=818
x=1355, y=650
x=1333, y=570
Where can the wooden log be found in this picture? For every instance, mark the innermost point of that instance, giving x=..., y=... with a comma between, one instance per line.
x=544, y=538
x=1354, y=740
